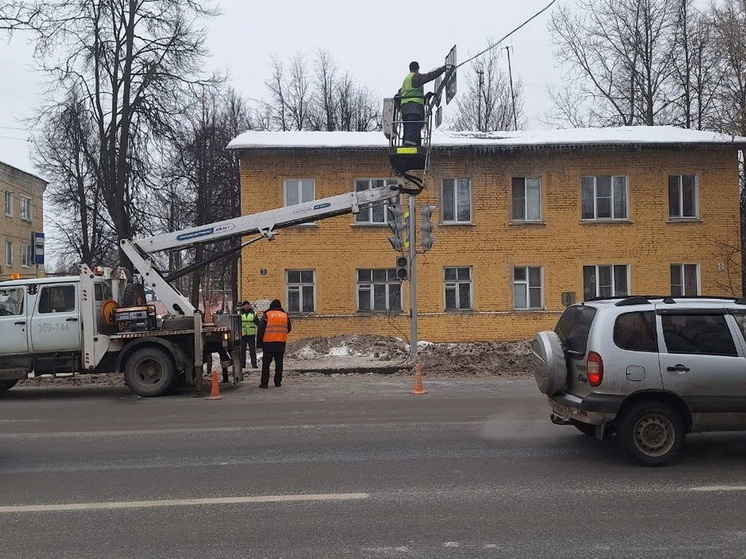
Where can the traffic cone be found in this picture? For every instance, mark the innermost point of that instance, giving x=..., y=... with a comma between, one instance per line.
x=417, y=382
x=214, y=388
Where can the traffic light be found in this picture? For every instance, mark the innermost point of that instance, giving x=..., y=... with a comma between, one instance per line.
x=402, y=267
x=399, y=224
x=427, y=226
x=396, y=224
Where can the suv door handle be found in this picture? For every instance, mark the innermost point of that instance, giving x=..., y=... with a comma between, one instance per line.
x=678, y=368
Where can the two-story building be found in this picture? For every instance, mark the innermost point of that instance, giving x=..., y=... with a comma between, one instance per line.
x=22, y=221
x=526, y=222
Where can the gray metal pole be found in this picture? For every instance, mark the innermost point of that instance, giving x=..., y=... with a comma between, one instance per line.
x=412, y=282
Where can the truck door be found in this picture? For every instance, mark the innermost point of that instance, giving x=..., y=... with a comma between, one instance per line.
x=55, y=323
x=13, y=323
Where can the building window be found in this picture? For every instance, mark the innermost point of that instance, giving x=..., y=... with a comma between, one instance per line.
x=301, y=288
x=298, y=191
x=458, y=288
x=8, y=253
x=526, y=197
x=374, y=213
x=456, y=201
x=25, y=213
x=378, y=290
x=684, y=280
x=604, y=197
x=27, y=257
x=527, y=291
x=605, y=281
x=682, y=196
x=9, y=203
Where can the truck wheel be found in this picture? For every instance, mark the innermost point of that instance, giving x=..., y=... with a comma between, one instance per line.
x=149, y=372
x=652, y=433
x=7, y=384
x=134, y=295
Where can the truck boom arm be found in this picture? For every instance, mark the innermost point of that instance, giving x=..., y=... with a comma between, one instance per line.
x=264, y=223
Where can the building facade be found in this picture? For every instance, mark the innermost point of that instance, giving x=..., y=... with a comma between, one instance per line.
x=525, y=223
x=22, y=222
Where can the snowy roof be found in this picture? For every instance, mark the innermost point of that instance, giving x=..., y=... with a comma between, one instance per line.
x=625, y=135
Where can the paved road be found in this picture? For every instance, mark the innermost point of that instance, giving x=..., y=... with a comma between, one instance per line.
x=350, y=468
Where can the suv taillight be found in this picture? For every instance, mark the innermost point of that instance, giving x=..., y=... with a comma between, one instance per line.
x=595, y=368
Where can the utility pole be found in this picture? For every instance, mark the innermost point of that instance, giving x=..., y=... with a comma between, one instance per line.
x=412, y=283
x=512, y=93
x=480, y=73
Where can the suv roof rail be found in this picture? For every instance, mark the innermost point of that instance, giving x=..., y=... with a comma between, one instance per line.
x=624, y=300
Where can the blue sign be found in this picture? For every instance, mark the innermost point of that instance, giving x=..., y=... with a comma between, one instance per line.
x=37, y=242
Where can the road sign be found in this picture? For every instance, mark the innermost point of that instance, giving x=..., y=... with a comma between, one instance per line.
x=37, y=241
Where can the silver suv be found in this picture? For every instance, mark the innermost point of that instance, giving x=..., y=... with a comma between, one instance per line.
x=648, y=369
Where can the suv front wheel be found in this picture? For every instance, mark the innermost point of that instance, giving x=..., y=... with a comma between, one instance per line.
x=652, y=433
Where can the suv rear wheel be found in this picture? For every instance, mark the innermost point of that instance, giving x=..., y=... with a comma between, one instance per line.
x=652, y=433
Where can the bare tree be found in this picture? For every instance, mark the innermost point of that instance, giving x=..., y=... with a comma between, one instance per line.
x=130, y=60
x=620, y=55
x=489, y=102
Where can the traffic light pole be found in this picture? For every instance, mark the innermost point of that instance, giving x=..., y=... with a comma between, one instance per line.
x=412, y=282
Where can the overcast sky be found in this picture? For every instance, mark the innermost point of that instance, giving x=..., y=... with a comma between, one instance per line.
x=374, y=41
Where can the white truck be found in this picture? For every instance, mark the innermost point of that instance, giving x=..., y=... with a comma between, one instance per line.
x=99, y=321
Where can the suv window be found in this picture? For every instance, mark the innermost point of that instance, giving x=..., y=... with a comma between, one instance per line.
x=573, y=327
x=635, y=331
x=698, y=334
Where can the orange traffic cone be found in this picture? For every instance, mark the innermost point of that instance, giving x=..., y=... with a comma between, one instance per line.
x=214, y=388
x=417, y=382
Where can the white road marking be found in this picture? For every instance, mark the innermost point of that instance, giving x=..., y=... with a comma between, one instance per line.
x=65, y=507
x=720, y=488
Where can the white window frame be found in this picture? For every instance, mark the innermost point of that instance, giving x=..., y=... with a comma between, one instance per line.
x=449, y=211
x=371, y=282
x=374, y=214
x=524, y=288
x=591, y=181
x=614, y=289
x=678, y=212
x=24, y=211
x=9, y=203
x=686, y=271
x=524, y=205
x=454, y=285
x=9, y=253
x=26, y=256
x=301, y=290
x=298, y=186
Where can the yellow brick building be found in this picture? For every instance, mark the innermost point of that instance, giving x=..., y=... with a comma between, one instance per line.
x=22, y=216
x=525, y=222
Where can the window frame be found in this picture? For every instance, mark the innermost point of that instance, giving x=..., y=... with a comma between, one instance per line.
x=450, y=215
x=25, y=208
x=9, y=203
x=371, y=209
x=612, y=277
x=9, y=253
x=286, y=185
x=27, y=256
x=529, y=288
x=291, y=287
x=455, y=286
x=680, y=197
x=612, y=217
x=683, y=267
x=525, y=204
x=389, y=283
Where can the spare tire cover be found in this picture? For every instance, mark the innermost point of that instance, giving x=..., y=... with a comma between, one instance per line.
x=550, y=367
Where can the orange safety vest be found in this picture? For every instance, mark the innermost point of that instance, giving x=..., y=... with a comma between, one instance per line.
x=277, y=326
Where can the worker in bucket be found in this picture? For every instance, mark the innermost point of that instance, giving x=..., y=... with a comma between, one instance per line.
x=412, y=102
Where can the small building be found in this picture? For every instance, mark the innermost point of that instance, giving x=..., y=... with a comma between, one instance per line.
x=526, y=222
x=22, y=222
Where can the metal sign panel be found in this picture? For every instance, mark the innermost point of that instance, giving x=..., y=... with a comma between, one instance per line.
x=451, y=81
x=37, y=241
x=438, y=117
